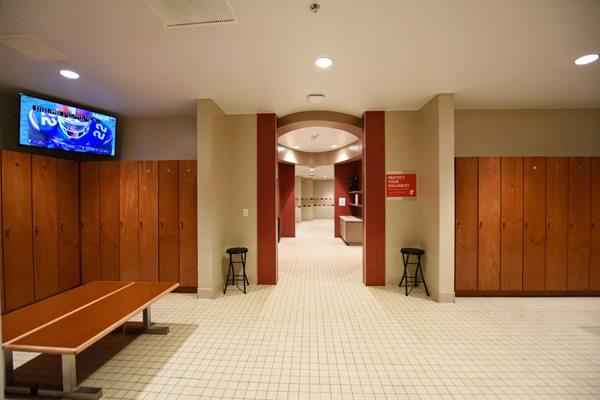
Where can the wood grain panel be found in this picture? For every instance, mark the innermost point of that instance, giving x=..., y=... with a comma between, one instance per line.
x=534, y=231
x=90, y=221
x=45, y=222
x=17, y=232
x=557, y=211
x=41, y=313
x=2, y=301
x=578, y=269
x=168, y=216
x=188, y=242
x=488, y=253
x=67, y=185
x=148, y=209
x=129, y=220
x=466, y=213
x=595, y=225
x=81, y=329
x=511, y=234
x=109, y=221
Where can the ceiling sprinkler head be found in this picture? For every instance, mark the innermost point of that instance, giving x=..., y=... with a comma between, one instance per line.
x=315, y=7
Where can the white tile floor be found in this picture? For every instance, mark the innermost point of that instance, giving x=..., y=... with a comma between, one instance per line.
x=320, y=334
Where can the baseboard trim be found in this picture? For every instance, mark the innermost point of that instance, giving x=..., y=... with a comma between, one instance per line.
x=186, y=289
x=519, y=293
x=204, y=293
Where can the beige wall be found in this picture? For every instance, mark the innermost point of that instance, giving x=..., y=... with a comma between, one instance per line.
x=307, y=194
x=241, y=178
x=323, y=188
x=402, y=152
x=298, y=210
x=527, y=132
x=157, y=138
x=436, y=188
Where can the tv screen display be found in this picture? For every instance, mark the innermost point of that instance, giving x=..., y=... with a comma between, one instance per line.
x=51, y=125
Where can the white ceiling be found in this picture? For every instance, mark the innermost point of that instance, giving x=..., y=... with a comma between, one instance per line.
x=324, y=172
x=388, y=55
x=317, y=139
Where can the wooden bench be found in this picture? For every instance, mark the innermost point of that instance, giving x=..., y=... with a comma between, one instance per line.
x=68, y=323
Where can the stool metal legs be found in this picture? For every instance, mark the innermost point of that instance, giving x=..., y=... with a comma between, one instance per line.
x=415, y=278
x=231, y=272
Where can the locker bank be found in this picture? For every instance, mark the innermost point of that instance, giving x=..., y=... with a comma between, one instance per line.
x=229, y=199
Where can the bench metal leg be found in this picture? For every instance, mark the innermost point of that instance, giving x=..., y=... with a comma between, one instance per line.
x=9, y=382
x=70, y=390
x=146, y=326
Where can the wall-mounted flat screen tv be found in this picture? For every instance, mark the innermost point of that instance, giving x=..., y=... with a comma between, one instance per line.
x=51, y=125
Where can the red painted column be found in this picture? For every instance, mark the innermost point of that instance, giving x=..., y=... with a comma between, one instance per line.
x=287, y=199
x=266, y=147
x=373, y=186
x=342, y=174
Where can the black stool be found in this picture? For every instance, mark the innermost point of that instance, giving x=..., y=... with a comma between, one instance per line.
x=242, y=251
x=406, y=253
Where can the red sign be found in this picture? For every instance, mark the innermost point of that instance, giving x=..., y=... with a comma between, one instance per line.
x=401, y=185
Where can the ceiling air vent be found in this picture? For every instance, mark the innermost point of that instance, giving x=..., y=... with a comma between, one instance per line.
x=180, y=13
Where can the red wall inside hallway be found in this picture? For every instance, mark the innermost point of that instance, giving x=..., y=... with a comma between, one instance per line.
x=342, y=174
x=373, y=187
x=266, y=215
x=287, y=199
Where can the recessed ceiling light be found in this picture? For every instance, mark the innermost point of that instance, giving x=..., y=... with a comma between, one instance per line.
x=587, y=59
x=324, y=176
x=296, y=147
x=315, y=98
x=69, y=74
x=323, y=62
x=334, y=146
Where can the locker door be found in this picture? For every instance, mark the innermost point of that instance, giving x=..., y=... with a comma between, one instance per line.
x=489, y=224
x=511, y=237
x=148, y=209
x=128, y=215
x=67, y=183
x=2, y=300
x=466, y=223
x=188, y=244
x=17, y=230
x=90, y=234
x=578, y=269
x=557, y=209
x=168, y=216
x=534, y=231
x=595, y=225
x=109, y=221
x=45, y=226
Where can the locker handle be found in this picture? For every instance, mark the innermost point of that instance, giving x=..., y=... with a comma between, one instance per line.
x=36, y=229
x=593, y=225
x=121, y=224
x=548, y=224
x=571, y=224
x=526, y=224
x=503, y=224
x=141, y=224
x=81, y=225
x=61, y=226
x=162, y=224
x=7, y=232
x=458, y=224
x=181, y=224
x=480, y=224
x=101, y=225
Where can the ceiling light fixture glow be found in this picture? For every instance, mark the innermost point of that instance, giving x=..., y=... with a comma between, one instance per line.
x=587, y=59
x=69, y=74
x=334, y=146
x=323, y=62
x=296, y=147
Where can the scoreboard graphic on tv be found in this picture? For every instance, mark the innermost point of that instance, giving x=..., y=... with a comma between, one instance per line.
x=52, y=125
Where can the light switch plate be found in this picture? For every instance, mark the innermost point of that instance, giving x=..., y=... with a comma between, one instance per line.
x=244, y=212
x=342, y=201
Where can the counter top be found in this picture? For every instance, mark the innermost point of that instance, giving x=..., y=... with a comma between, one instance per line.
x=350, y=218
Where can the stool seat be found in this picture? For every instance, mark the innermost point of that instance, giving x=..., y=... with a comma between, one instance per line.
x=237, y=250
x=412, y=251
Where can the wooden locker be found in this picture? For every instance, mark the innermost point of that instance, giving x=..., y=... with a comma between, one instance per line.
x=90, y=221
x=17, y=230
x=148, y=216
x=511, y=233
x=595, y=225
x=2, y=301
x=129, y=221
x=557, y=209
x=578, y=265
x=45, y=226
x=488, y=254
x=466, y=170
x=109, y=221
x=534, y=230
x=188, y=243
x=168, y=216
x=67, y=184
